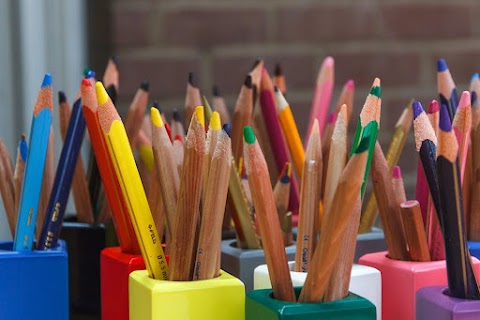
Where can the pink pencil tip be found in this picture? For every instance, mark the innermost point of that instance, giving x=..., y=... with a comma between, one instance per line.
x=328, y=61
x=397, y=173
x=332, y=118
x=464, y=100
x=350, y=84
x=433, y=107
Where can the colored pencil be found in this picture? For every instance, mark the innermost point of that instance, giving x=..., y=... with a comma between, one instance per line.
x=213, y=134
x=256, y=74
x=133, y=120
x=192, y=98
x=18, y=174
x=81, y=196
x=111, y=74
x=326, y=144
x=290, y=131
x=242, y=115
x=322, y=95
x=309, y=201
x=279, y=79
x=434, y=115
x=32, y=182
x=415, y=231
x=7, y=186
x=213, y=210
x=346, y=97
x=207, y=110
x=474, y=217
x=177, y=126
x=267, y=217
x=220, y=105
x=281, y=193
x=63, y=179
x=178, y=153
x=461, y=278
x=462, y=124
x=169, y=180
x=120, y=215
x=398, y=186
x=446, y=88
x=186, y=217
x=131, y=186
x=334, y=225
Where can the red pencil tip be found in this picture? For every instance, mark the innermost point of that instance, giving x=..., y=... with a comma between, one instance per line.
x=397, y=173
x=86, y=82
x=179, y=138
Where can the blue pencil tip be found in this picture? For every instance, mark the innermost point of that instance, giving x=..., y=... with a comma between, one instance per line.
x=23, y=149
x=441, y=65
x=227, y=128
x=445, y=123
x=47, y=80
x=474, y=76
x=417, y=109
x=90, y=74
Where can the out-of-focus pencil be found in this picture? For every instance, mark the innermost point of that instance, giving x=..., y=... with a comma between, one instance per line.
x=192, y=98
x=7, y=186
x=462, y=124
x=326, y=144
x=281, y=193
x=178, y=153
x=447, y=90
x=267, y=216
x=398, y=186
x=346, y=97
x=18, y=174
x=134, y=118
x=415, y=231
x=219, y=105
x=310, y=199
x=279, y=79
x=47, y=182
x=242, y=115
x=111, y=74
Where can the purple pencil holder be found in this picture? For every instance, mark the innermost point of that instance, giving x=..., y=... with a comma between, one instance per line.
x=434, y=303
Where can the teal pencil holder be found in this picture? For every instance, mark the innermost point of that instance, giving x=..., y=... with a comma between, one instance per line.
x=34, y=284
x=260, y=304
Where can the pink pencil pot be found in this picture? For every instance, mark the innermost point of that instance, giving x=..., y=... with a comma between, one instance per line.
x=402, y=279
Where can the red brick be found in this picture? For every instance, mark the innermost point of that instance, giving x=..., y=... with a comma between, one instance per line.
x=208, y=27
x=167, y=76
x=229, y=73
x=394, y=69
x=129, y=27
x=426, y=21
x=318, y=23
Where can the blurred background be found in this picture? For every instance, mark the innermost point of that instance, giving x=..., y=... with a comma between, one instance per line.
x=398, y=41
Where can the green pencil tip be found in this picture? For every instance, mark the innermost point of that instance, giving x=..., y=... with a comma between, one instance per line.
x=249, y=135
x=85, y=71
x=376, y=91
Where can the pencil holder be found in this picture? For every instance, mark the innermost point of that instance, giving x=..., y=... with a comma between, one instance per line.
x=33, y=283
x=364, y=281
x=370, y=242
x=402, y=279
x=260, y=304
x=434, y=303
x=115, y=267
x=242, y=262
x=214, y=299
x=85, y=242
x=474, y=247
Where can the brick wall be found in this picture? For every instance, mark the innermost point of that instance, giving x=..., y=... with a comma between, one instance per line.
x=398, y=41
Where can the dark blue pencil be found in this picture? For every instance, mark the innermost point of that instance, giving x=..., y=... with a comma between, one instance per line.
x=447, y=90
x=63, y=179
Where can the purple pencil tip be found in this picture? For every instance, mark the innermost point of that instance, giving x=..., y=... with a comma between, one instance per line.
x=417, y=109
x=445, y=123
x=441, y=65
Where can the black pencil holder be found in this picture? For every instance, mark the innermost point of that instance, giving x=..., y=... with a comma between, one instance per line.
x=85, y=243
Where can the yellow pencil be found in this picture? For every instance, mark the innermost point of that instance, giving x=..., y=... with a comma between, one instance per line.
x=290, y=130
x=131, y=185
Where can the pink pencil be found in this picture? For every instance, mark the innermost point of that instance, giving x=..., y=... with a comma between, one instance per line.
x=322, y=95
x=462, y=123
x=277, y=141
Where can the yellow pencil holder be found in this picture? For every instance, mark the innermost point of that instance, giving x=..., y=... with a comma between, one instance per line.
x=220, y=298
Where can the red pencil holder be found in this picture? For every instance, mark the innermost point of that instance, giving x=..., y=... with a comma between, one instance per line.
x=115, y=267
x=402, y=279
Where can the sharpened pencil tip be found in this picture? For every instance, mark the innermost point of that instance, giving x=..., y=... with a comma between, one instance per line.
x=61, y=97
x=433, y=107
x=441, y=65
x=275, y=88
x=332, y=117
x=215, y=91
x=376, y=91
x=249, y=135
x=144, y=85
x=256, y=63
x=417, y=109
x=90, y=74
x=199, y=113
x=474, y=76
x=86, y=83
x=23, y=148
x=176, y=115
x=156, y=104
x=473, y=99
x=278, y=72
x=102, y=96
x=85, y=71
x=248, y=82
x=215, y=121
x=47, y=80
x=178, y=137
x=286, y=173
x=445, y=123
x=350, y=84
x=328, y=61
x=115, y=60
x=397, y=172
x=227, y=127
x=192, y=79
x=464, y=100
x=156, y=117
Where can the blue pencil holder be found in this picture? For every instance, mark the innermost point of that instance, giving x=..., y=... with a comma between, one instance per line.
x=34, y=284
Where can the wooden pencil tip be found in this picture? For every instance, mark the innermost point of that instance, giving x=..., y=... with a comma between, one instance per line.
x=176, y=115
x=144, y=85
x=61, y=97
x=315, y=128
x=156, y=104
x=102, y=96
x=86, y=83
x=249, y=135
x=433, y=107
x=474, y=76
x=115, y=60
x=248, y=82
x=178, y=137
x=332, y=117
x=286, y=173
x=156, y=117
x=397, y=172
x=215, y=121
x=227, y=128
x=256, y=63
x=376, y=91
x=441, y=65
x=328, y=62
x=417, y=109
x=350, y=84
x=464, y=100
x=200, y=115
x=216, y=91
x=47, y=80
x=278, y=72
x=192, y=79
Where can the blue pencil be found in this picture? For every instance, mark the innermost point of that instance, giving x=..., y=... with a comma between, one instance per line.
x=63, y=179
x=447, y=90
x=32, y=181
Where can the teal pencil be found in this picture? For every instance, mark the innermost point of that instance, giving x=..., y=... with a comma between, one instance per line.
x=32, y=181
